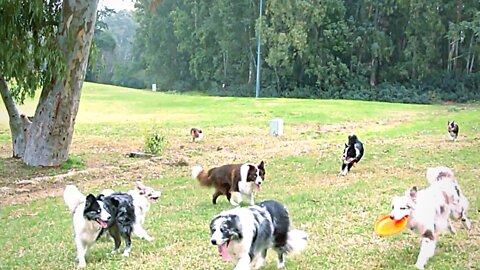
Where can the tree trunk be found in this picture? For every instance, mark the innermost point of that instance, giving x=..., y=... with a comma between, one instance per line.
x=50, y=134
x=19, y=123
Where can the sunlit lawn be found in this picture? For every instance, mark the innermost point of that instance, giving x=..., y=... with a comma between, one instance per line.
x=401, y=141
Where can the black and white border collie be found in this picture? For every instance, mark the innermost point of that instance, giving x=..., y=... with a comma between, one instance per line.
x=236, y=181
x=429, y=210
x=93, y=215
x=352, y=153
x=90, y=217
x=196, y=134
x=243, y=235
x=453, y=130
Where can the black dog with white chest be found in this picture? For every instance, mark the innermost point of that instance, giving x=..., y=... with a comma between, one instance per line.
x=352, y=154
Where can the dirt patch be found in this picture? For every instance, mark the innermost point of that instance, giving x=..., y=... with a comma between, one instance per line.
x=107, y=164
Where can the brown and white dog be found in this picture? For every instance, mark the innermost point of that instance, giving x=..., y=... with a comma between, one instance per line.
x=142, y=197
x=428, y=210
x=196, y=134
x=235, y=181
x=453, y=130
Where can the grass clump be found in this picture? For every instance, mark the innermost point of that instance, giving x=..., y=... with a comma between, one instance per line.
x=155, y=143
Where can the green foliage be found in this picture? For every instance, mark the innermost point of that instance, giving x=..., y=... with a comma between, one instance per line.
x=155, y=142
x=73, y=162
x=29, y=52
x=369, y=50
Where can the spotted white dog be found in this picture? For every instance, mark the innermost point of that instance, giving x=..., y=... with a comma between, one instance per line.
x=429, y=210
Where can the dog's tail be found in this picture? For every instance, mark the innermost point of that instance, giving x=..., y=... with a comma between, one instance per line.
x=73, y=197
x=439, y=173
x=201, y=175
x=296, y=241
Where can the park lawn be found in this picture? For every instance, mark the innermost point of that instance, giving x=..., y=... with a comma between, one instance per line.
x=401, y=141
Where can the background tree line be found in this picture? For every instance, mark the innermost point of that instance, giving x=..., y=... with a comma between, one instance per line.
x=390, y=50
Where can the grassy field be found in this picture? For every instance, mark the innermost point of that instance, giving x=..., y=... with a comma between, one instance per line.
x=401, y=141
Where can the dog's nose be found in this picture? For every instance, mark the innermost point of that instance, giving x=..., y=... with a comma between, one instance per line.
x=213, y=241
x=392, y=217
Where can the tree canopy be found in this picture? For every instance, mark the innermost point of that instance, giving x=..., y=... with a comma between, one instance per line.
x=419, y=51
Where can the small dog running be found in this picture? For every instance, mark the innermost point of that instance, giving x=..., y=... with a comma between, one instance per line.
x=453, y=130
x=243, y=235
x=429, y=210
x=352, y=153
x=196, y=134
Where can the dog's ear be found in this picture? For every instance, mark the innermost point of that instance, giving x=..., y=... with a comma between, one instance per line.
x=412, y=193
x=235, y=226
x=261, y=165
x=115, y=202
x=139, y=185
x=89, y=200
x=100, y=197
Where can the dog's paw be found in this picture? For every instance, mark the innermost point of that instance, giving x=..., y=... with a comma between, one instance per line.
x=149, y=238
x=467, y=224
x=420, y=266
x=125, y=254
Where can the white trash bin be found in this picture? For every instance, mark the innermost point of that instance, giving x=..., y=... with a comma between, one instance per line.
x=276, y=127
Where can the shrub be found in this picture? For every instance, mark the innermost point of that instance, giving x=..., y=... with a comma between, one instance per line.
x=155, y=143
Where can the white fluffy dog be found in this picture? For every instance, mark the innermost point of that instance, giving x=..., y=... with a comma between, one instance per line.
x=428, y=210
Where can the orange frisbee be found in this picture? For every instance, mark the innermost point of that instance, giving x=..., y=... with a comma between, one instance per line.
x=385, y=226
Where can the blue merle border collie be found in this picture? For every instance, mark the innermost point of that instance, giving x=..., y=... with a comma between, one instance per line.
x=243, y=235
x=94, y=215
x=352, y=153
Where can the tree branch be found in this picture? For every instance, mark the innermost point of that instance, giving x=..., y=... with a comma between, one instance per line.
x=8, y=100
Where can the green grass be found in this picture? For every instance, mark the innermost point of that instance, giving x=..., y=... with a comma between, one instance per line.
x=401, y=141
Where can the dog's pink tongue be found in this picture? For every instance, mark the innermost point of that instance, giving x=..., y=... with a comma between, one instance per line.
x=258, y=187
x=102, y=223
x=224, y=252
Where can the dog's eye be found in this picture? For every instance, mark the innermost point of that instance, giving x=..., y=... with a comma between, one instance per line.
x=403, y=208
x=392, y=207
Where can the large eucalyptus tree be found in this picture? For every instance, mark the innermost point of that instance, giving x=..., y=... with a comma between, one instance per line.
x=45, y=46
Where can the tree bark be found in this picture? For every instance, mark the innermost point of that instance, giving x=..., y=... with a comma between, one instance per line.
x=19, y=123
x=50, y=134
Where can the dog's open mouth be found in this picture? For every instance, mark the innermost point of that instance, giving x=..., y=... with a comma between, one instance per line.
x=258, y=187
x=223, y=250
x=153, y=199
x=102, y=222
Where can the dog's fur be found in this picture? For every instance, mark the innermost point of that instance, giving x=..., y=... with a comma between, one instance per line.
x=233, y=180
x=453, y=130
x=196, y=134
x=352, y=153
x=429, y=210
x=120, y=206
x=142, y=197
x=244, y=235
x=90, y=217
